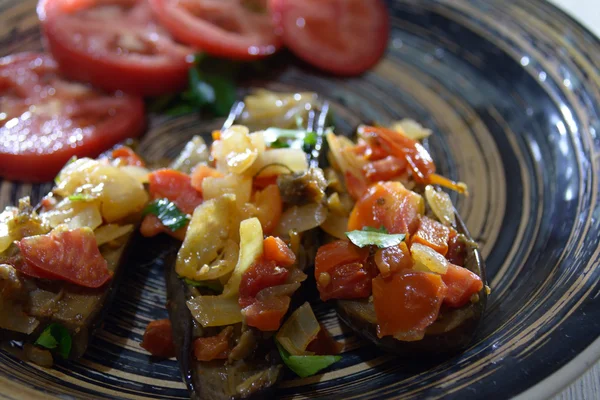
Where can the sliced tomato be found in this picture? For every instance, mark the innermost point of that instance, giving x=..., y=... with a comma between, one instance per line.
x=72, y=256
x=45, y=120
x=385, y=169
x=231, y=29
x=213, y=347
x=158, y=339
x=262, y=274
x=346, y=37
x=175, y=186
x=127, y=156
x=275, y=249
x=114, y=45
x=266, y=315
x=462, y=284
x=407, y=302
x=433, y=234
x=393, y=259
x=387, y=204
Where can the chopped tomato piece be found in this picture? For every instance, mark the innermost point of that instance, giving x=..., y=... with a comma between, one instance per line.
x=457, y=251
x=324, y=344
x=262, y=274
x=337, y=253
x=213, y=347
x=407, y=301
x=152, y=226
x=201, y=172
x=393, y=259
x=433, y=234
x=127, y=156
x=275, y=249
x=175, y=186
x=385, y=169
x=261, y=182
x=356, y=186
x=158, y=339
x=387, y=204
x=462, y=284
x=370, y=151
x=32, y=271
x=269, y=206
x=267, y=314
x=72, y=256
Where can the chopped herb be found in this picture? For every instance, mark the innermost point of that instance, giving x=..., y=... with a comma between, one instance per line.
x=279, y=144
x=376, y=237
x=213, y=285
x=305, y=366
x=56, y=337
x=80, y=197
x=169, y=214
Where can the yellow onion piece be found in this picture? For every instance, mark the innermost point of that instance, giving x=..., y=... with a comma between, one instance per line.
x=301, y=218
x=336, y=226
x=235, y=151
x=440, y=204
x=238, y=185
x=5, y=236
x=138, y=173
x=428, y=260
x=215, y=310
x=411, y=129
x=299, y=330
x=194, y=153
x=74, y=214
x=280, y=161
x=110, y=232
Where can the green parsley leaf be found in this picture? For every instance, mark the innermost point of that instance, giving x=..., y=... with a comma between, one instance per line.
x=214, y=285
x=56, y=337
x=305, y=366
x=376, y=237
x=279, y=144
x=168, y=213
x=80, y=197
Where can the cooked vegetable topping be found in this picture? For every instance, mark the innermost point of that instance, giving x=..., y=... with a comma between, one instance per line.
x=375, y=237
x=299, y=330
x=214, y=285
x=168, y=213
x=56, y=337
x=305, y=366
x=158, y=339
x=213, y=347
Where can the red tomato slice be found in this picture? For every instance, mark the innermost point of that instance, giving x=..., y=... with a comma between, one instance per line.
x=115, y=46
x=45, y=120
x=346, y=37
x=158, y=339
x=230, y=29
x=259, y=276
x=72, y=256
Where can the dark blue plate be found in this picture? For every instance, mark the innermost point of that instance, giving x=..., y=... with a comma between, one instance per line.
x=512, y=92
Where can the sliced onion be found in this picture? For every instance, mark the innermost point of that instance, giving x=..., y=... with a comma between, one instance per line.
x=238, y=185
x=215, y=310
x=411, y=129
x=428, y=260
x=5, y=236
x=301, y=218
x=138, y=173
x=194, y=153
x=236, y=152
x=13, y=318
x=336, y=226
x=440, y=204
x=278, y=291
x=280, y=161
x=110, y=232
x=75, y=214
x=299, y=330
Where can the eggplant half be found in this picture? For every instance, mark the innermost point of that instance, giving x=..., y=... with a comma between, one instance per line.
x=253, y=365
x=61, y=261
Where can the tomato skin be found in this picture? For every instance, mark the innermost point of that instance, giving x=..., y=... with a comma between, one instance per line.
x=343, y=37
x=266, y=315
x=175, y=186
x=213, y=347
x=85, y=125
x=72, y=256
x=158, y=339
x=385, y=169
x=275, y=249
x=127, y=156
x=406, y=302
x=433, y=234
x=262, y=274
x=462, y=284
x=163, y=72
x=387, y=204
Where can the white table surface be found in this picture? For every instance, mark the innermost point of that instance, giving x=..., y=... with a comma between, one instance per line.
x=588, y=13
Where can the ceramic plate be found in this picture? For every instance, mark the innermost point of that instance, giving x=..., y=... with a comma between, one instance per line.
x=512, y=92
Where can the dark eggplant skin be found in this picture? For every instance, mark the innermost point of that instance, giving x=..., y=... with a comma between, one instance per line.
x=450, y=334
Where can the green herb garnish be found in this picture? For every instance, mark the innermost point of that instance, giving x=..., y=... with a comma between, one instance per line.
x=169, y=214
x=80, y=197
x=369, y=236
x=279, y=138
x=213, y=285
x=305, y=366
x=56, y=337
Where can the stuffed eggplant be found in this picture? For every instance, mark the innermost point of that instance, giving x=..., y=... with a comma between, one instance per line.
x=401, y=266
x=59, y=261
x=247, y=210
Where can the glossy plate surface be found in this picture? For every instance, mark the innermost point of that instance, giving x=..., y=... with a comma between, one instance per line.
x=512, y=92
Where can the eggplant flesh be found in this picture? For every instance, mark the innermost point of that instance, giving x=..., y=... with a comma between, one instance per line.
x=451, y=333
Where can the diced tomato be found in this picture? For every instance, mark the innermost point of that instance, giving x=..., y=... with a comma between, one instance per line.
x=201, y=172
x=126, y=156
x=261, y=182
x=275, y=249
x=213, y=347
x=337, y=253
x=262, y=274
x=158, y=339
x=433, y=234
x=457, y=251
x=401, y=146
x=346, y=37
x=115, y=45
x=229, y=29
x=407, y=301
x=269, y=207
x=370, y=151
x=72, y=256
x=462, y=284
x=152, y=226
x=385, y=169
x=266, y=315
x=355, y=185
x=324, y=344
x=175, y=186
x=393, y=259
x=387, y=204
x=46, y=120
